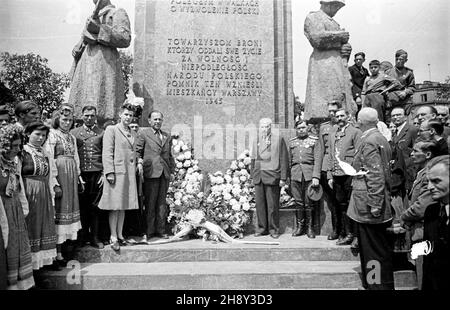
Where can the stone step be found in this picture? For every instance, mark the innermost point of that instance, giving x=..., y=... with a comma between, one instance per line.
x=322, y=220
x=230, y=275
x=290, y=249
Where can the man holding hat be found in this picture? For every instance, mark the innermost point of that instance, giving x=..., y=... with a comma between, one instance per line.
x=370, y=204
x=405, y=76
x=304, y=154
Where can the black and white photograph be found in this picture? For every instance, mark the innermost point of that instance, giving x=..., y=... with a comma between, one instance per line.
x=226, y=151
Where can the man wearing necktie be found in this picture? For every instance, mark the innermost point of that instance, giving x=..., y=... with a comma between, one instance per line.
x=155, y=164
x=269, y=170
x=436, y=265
x=404, y=141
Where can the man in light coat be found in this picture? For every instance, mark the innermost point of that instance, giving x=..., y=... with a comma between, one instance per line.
x=370, y=204
x=269, y=170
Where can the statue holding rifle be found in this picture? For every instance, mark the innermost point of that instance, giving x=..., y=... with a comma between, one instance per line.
x=96, y=73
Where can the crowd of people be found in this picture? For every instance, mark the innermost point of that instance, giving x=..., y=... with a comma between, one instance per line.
x=380, y=209
x=67, y=183
x=396, y=196
x=63, y=187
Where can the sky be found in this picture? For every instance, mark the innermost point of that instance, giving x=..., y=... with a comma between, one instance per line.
x=378, y=27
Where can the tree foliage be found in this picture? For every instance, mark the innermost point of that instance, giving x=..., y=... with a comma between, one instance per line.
x=443, y=93
x=29, y=77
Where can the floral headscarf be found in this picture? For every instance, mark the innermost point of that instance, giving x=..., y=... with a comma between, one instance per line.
x=9, y=167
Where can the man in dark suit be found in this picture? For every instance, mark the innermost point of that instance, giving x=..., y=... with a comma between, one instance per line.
x=404, y=138
x=427, y=113
x=270, y=168
x=358, y=74
x=436, y=265
x=370, y=204
x=434, y=130
x=442, y=114
x=343, y=141
x=155, y=165
x=89, y=143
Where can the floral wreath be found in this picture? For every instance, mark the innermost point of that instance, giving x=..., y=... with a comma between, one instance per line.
x=226, y=203
x=7, y=133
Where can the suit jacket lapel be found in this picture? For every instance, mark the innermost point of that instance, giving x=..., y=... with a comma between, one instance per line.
x=402, y=133
x=126, y=135
x=154, y=137
x=418, y=179
x=165, y=137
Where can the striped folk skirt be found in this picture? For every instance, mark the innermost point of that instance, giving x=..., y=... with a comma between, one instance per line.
x=40, y=221
x=67, y=208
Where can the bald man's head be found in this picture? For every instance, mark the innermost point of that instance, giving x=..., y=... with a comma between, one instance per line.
x=368, y=115
x=368, y=118
x=442, y=113
x=425, y=113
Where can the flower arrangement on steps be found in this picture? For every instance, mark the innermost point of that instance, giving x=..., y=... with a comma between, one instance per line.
x=185, y=189
x=195, y=219
x=231, y=197
x=229, y=200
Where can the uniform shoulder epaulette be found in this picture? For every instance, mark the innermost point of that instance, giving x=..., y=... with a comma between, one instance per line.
x=292, y=139
x=313, y=137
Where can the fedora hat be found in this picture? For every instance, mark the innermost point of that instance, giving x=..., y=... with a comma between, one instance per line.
x=314, y=193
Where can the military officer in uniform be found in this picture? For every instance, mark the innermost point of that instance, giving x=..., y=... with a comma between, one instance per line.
x=343, y=141
x=403, y=97
x=324, y=141
x=304, y=154
x=89, y=143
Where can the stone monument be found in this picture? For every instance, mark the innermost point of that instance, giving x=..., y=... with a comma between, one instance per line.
x=328, y=75
x=96, y=74
x=214, y=68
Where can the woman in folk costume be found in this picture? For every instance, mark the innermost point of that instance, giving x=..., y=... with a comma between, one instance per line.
x=18, y=253
x=3, y=244
x=65, y=171
x=119, y=167
x=35, y=174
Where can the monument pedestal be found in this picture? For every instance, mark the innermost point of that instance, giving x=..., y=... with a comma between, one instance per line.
x=214, y=69
x=297, y=263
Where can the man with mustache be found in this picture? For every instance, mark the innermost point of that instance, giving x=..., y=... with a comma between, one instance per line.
x=343, y=141
x=324, y=141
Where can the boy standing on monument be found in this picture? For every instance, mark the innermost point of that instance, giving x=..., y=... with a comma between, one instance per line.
x=375, y=89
